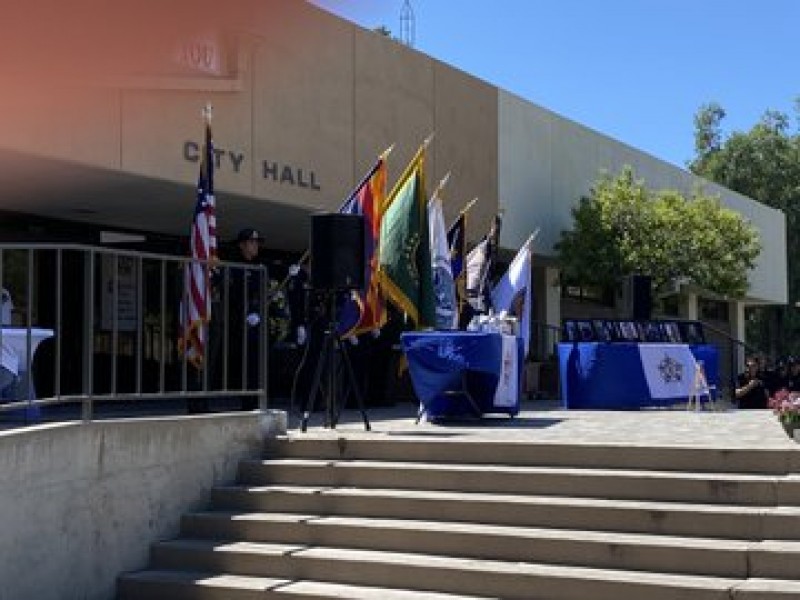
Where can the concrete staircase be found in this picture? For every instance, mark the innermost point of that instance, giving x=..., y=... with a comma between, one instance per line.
x=416, y=518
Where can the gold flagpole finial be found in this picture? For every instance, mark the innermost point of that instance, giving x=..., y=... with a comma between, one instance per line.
x=469, y=205
x=442, y=182
x=530, y=239
x=385, y=154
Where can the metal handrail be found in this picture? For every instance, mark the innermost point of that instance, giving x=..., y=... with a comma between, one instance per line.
x=145, y=344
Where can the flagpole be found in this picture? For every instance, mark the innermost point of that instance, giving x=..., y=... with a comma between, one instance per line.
x=469, y=205
x=385, y=154
x=409, y=169
x=442, y=182
x=307, y=253
x=531, y=237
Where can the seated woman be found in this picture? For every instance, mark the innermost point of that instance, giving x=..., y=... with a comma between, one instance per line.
x=750, y=389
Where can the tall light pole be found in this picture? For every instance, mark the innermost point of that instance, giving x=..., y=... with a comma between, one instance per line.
x=407, y=24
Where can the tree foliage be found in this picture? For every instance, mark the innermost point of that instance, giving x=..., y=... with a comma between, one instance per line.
x=764, y=164
x=623, y=228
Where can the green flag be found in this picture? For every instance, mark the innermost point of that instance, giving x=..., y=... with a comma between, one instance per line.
x=405, y=250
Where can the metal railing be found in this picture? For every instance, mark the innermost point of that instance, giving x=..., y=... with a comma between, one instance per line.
x=102, y=324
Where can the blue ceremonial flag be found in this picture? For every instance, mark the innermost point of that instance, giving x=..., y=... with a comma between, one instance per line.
x=456, y=242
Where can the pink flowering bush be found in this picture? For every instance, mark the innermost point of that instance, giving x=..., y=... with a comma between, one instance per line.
x=786, y=405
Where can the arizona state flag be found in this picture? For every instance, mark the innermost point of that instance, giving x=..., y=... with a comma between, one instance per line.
x=405, y=251
x=364, y=309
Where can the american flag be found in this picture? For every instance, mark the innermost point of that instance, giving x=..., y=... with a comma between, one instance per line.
x=196, y=306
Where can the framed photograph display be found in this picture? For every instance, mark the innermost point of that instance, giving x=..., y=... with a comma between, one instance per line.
x=604, y=331
x=628, y=331
x=570, y=331
x=671, y=332
x=692, y=332
x=585, y=331
x=651, y=332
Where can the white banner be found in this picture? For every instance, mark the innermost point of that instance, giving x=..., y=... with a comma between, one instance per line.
x=507, y=392
x=443, y=285
x=669, y=369
x=512, y=293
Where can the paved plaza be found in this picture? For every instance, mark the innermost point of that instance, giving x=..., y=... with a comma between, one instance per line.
x=545, y=421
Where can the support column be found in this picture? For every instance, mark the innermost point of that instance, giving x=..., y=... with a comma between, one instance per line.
x=552, y=306
x=687, y=306
x=737, y=328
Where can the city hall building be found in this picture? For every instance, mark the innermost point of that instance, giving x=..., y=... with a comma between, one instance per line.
x=303, y=103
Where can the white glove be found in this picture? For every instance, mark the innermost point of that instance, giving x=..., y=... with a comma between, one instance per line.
x=253, y=319
x=294, y=270
x=376, y=333
x=301, y=335
x=353, y=340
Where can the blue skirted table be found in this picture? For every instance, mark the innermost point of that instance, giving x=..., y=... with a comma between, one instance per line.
x=597, y=375
x=458, y=373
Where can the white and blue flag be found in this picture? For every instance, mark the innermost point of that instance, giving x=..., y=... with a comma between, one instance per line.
x=444, y=287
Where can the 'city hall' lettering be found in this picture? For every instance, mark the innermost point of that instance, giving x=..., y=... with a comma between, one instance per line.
x=191, y=152
x=277, y=172
x=287, y=174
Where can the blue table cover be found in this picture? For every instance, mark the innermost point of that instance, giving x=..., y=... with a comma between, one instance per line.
x=611, y=375
x=438, y=360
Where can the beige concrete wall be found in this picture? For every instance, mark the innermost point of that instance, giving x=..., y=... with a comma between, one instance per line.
x=394, y=104
x=155, y=124
x=303, y=107
x=466, y=146
x=82, y=502
x=317, y=98
x=547, y=163
x=73, y=123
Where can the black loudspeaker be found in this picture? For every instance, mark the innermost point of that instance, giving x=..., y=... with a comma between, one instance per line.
x=641, y=294
x=337, y=251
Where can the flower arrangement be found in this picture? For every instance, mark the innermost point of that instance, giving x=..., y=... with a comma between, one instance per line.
x=786, y=405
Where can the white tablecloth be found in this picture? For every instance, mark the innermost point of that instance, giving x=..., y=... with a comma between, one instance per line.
x=14, y=342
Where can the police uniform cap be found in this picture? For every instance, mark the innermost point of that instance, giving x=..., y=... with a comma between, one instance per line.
x=248, y=233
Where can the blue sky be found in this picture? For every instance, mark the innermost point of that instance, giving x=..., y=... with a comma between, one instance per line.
x=636, y=70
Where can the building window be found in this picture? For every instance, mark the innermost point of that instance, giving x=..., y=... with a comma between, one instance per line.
x=712, y=310
x=591, y=294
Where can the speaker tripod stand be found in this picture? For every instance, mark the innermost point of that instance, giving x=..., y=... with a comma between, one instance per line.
x=326, y=364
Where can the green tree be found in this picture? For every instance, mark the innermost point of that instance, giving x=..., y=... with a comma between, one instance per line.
x=764, y=164
x=624, y=228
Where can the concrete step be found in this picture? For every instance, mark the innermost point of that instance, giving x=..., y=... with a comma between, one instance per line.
x=672, y=486
x=606, y=550
x=440, y=574
x=410, y=518
x=597, y=514
x=187, y=585
x=532, y=453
